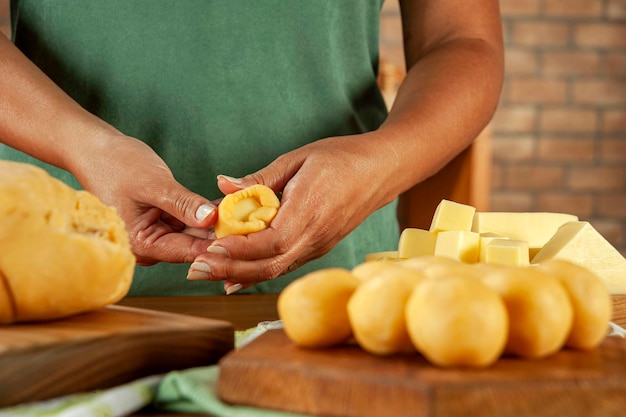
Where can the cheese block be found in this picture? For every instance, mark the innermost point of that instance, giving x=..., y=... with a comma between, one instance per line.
x=536, y=228
x=507, y=252
x=485, y=238
x=458, y=244
x=450, y=215
x=580, y=243
x=416, y=242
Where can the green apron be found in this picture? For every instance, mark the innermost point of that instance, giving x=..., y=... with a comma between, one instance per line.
x=216, y=87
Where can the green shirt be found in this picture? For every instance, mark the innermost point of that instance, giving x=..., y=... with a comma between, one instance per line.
x=216, y=87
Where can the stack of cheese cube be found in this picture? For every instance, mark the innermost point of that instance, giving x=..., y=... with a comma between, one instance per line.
x=512, y=238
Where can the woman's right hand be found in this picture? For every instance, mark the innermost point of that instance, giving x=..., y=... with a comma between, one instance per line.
x=166, y=222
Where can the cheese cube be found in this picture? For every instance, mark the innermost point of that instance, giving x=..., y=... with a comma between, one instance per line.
x=416, y=242
x=458, y=244
x=378, y=256
x=580, y=243
x=534, y=228
x=507, y=252
x=485, y=238
x=452, y=216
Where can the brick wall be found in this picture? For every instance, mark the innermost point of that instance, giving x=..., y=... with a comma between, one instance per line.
x=559, y=134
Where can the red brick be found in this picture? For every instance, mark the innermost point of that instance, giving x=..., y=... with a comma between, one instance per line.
x=616, y=9
x=600, y=92
x=602, y=35
x=616, y=64
x=519, y=7
x=580, y=205
x=566, y=150
x=496, y=181
x=613, y=150
x=536, y=90
x=573, y=8
x=596, y=178
x=511, y=201
x=568, y=120
x=614, y=120
x=570, y=63
x=540, y=33
x=612, y=206
x=514, y=119
x=520, y=61
x=535, y=177
x=513, y=148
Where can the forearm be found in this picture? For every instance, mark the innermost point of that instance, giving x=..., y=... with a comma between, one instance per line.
x=454, y=56
x=38, y=118
x=446, y=99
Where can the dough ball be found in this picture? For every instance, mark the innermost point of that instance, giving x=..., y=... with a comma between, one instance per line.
x=313, y=308
x=540, y=312
x=457, y=321
x=376, y=311
x=590, y=299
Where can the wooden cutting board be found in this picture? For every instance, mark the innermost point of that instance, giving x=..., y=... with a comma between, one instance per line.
x=271, y=372
x=103, y=348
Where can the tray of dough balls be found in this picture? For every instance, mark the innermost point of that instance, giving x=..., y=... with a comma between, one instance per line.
x=65, y=259
x=484, y=314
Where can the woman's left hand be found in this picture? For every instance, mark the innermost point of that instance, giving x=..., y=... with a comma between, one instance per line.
x=328, y=187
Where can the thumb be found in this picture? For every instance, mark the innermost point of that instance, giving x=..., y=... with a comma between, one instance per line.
x=275, y=175
x=188, y=207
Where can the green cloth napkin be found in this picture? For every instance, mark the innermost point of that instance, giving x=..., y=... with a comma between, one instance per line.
x=195, y=391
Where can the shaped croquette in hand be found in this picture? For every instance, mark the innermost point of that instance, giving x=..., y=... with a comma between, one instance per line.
x=246, y=211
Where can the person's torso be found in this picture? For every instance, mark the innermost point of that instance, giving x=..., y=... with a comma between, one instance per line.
x=214, y=87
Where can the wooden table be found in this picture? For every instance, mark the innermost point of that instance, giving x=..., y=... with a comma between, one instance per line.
x=243, y=310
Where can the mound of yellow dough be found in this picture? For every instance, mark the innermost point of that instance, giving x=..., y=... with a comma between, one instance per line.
x=62, y=251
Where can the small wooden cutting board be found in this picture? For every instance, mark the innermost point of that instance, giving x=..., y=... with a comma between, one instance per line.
x=271, y=372
x=103, y=348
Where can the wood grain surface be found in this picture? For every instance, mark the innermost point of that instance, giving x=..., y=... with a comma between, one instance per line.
x=242, y=310
x=103, y=348
x=619, y=310
x=271, y=372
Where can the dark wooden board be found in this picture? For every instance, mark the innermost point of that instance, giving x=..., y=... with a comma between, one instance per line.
x=271, y=372
x=103, y=348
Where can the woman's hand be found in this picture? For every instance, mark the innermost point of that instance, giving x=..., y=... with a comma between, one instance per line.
x=328, y=188
x=166, y=222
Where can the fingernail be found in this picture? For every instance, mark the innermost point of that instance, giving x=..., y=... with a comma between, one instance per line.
x=233, y=288
x=236, y=181
x=217, y=250
x=204, y=211
x=199, y=271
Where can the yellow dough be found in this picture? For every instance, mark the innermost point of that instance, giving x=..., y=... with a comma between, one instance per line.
x=591, y=301
x=539, y=308
x=246, y=211
x=376, y=310
x=313, y=308
x=62, y=252
x=457, y=321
